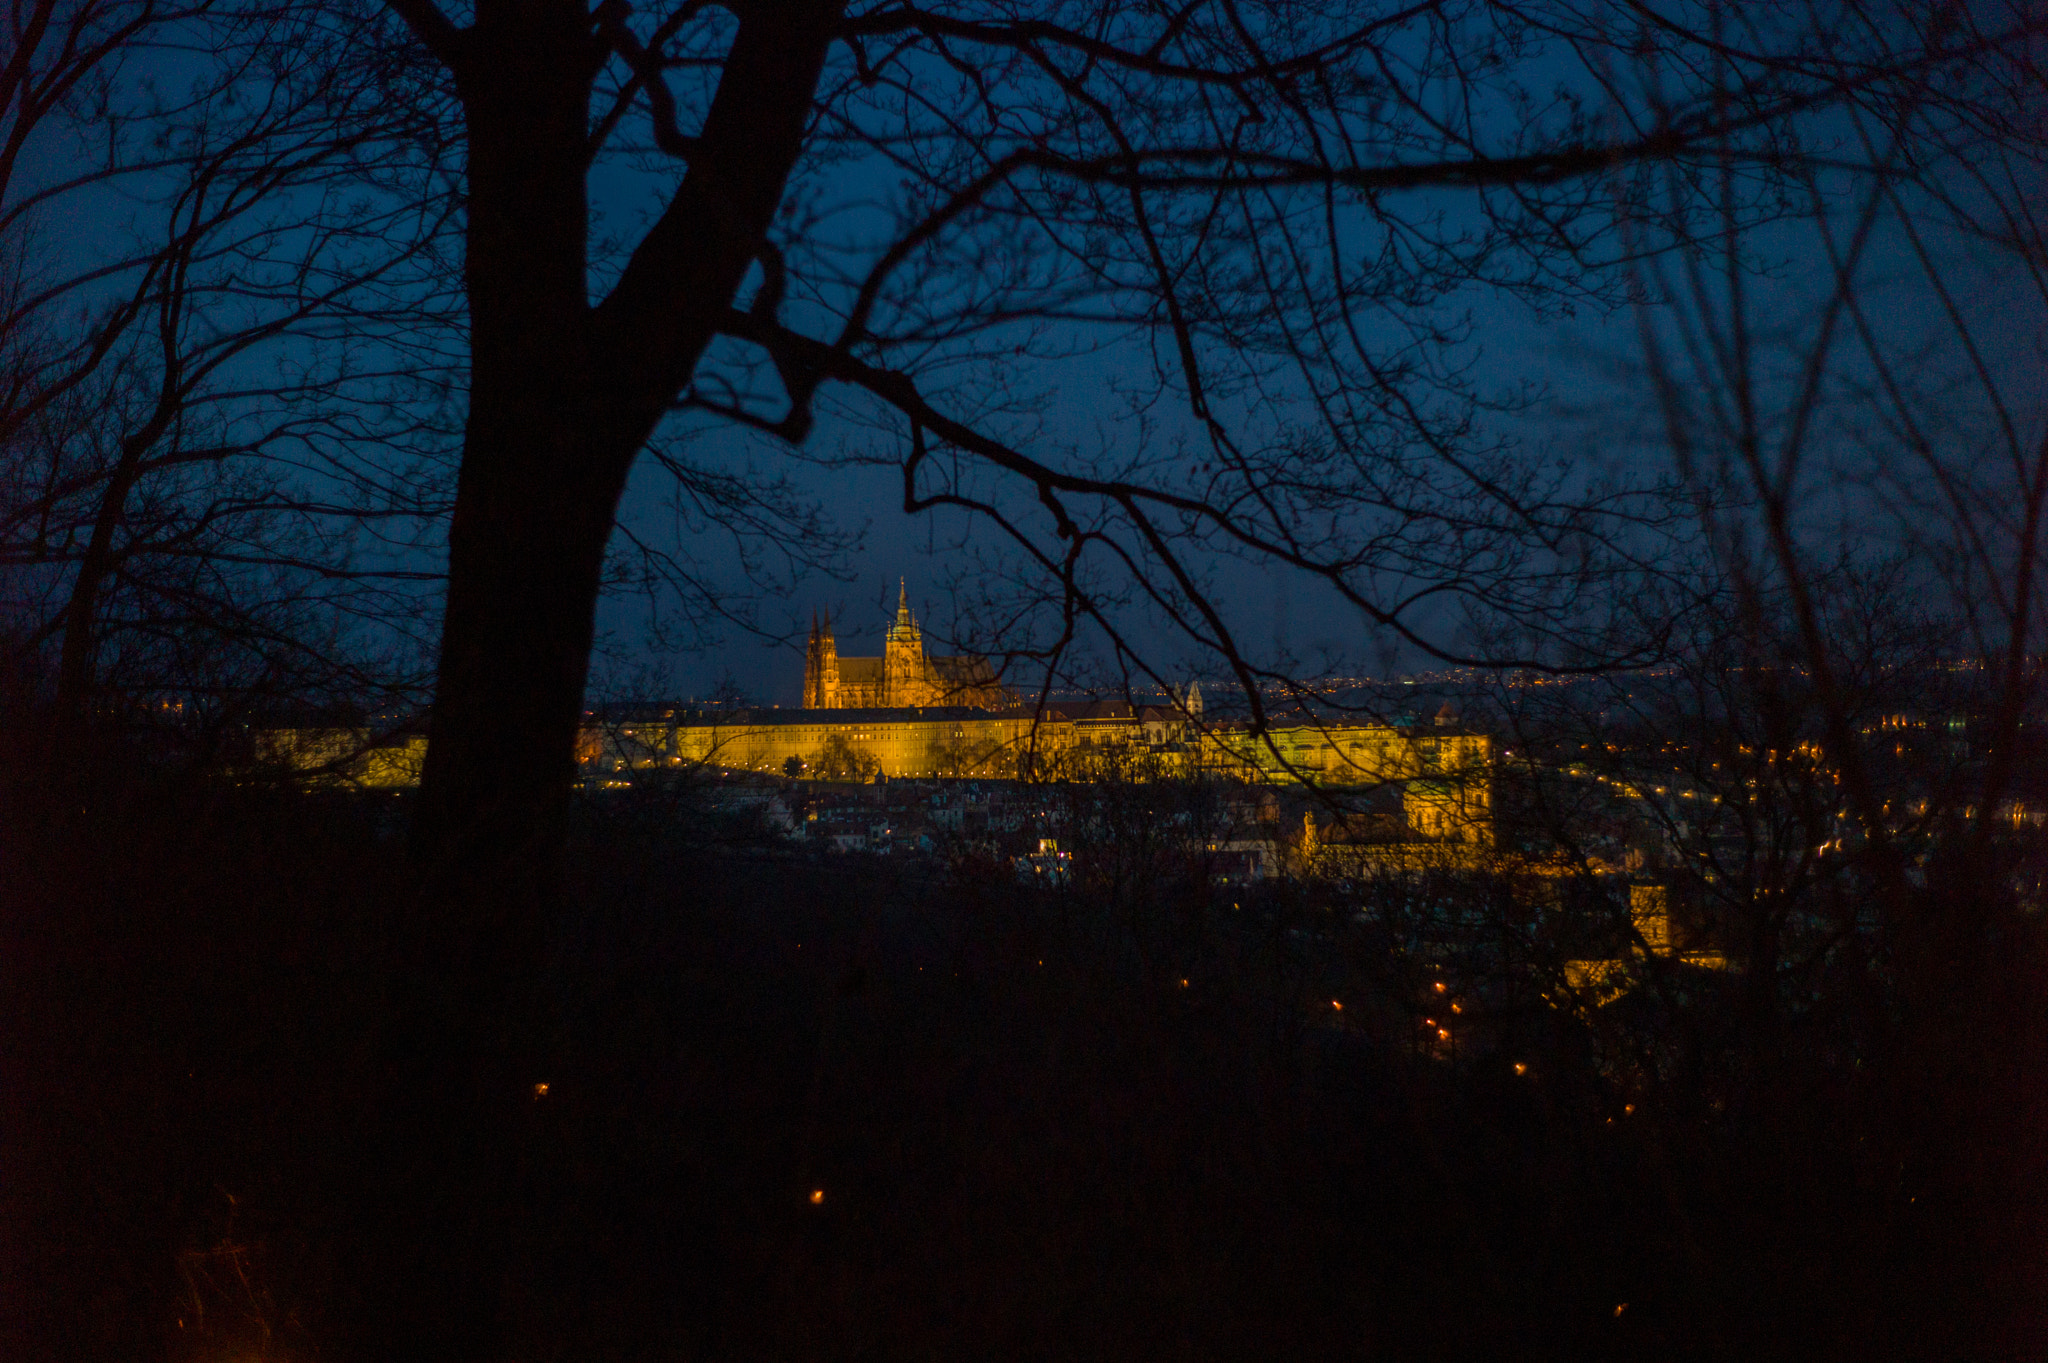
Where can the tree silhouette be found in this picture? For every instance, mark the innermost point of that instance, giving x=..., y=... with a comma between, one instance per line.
x=191, y=391
x=1258, y=226
x=1273, y=209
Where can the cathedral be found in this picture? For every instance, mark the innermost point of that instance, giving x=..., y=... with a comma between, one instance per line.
x=904, y=676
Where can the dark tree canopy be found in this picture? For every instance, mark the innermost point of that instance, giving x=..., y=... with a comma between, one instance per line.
x=1259, y=229
x=225, y=296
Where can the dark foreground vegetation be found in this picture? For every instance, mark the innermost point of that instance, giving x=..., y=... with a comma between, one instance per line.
x=1066, y=1125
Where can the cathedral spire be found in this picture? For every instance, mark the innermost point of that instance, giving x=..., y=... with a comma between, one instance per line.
x=903, y=633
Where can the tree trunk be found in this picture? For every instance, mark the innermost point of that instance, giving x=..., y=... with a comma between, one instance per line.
x=534, y=500
x=455, y=1188
x=525, y=556
x=562, y=398
x=77, y=663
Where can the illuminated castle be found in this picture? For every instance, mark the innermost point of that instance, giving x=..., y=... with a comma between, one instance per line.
x=904, y=676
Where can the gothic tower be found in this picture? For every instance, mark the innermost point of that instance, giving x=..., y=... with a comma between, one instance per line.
x=904, y=676
x=904, y=672
x=821, y=667
x=904, y=680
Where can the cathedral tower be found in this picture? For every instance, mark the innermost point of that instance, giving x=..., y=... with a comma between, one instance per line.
x=904, y=680
x=905, y=676
x=821, y=667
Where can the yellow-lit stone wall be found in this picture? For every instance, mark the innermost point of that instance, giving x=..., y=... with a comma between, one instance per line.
x=344, y=756
x=906, y=746
x=1446, y=777
x=1450, y=810
x=1351, y=754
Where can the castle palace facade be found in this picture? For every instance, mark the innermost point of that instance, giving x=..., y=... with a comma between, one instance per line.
x=903, y=677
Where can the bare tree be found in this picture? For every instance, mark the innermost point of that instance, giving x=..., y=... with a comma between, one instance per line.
x=209, y=403
x=1259, y=227
x=1833, y=766
x=1899, y=397
x=1261, y=219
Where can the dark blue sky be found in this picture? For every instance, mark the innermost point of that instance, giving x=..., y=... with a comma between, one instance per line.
x=1594, y=413
x=1595, y=416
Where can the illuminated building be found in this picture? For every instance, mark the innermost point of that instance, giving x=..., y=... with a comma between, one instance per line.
x=1601, y=981
x=1443, y=773
x=854, y=745
x=344, y=756
x=1446, y=771
x=904, y=676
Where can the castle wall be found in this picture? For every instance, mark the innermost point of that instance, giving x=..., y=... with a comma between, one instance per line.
x=1445, y=777
x=1349, y=754
x=896, y=744
x=354, y=758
